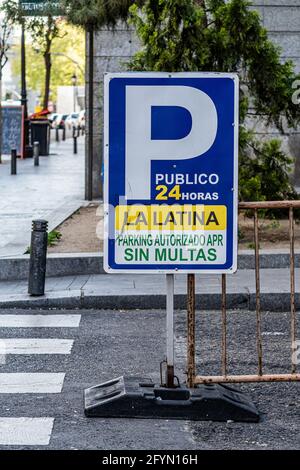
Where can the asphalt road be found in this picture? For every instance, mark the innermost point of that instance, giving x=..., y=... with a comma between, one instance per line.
x=108, y=344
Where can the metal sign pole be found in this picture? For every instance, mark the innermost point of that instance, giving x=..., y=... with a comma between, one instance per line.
x=25, y=150
x=170, y=330
x=89, y=179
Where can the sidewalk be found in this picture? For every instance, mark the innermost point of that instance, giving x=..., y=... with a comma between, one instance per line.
x=136, y=291
x=52, y=191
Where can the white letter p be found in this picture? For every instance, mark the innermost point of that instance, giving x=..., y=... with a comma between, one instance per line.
x=141, y=149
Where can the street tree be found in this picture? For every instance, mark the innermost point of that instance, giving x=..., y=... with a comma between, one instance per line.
x=43, y=31
x=67, y=58
x=227, y=36
x=6, y=28
x=97, y=13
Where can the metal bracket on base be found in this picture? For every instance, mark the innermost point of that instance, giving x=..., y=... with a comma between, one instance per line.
x=134, y=397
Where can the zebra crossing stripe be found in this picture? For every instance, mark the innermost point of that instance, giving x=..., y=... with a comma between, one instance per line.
x=31, y=382
x=39, y=321
x=29, y=431
x=35, y=346
x=25, y=431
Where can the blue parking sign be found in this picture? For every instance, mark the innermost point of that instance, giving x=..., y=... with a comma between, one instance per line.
x=171, y=172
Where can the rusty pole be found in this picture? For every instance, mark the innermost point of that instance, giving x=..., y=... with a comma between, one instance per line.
x=191, y=321
x=292, y=280
x=257, y=282
x=218, y=379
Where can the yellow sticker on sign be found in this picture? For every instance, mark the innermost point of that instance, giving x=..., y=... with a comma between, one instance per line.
x=171, y=218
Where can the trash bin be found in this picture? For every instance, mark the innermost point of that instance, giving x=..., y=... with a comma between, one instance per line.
x=40, y=132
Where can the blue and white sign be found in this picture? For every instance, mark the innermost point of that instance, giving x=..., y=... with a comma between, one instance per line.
x=171, y=172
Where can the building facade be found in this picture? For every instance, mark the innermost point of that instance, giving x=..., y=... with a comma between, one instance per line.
x=114, y=48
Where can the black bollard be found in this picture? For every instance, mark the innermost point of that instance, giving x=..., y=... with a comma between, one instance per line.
x=13, y=162
x=64, y=133
x=75, y=140
x=38, y=258
x=57, y=134
x=36, y=153
x=75, y=145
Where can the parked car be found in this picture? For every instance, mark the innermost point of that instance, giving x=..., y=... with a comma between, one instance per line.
x=81, y=120
x=72, y=121
x=60, y=121
x=52, y=118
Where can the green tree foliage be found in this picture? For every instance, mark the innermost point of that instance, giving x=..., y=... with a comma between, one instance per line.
x=97, y=13
x=267, y=173
x=43, y=30
x=6, y=27
x=67, y=57
x=214, y=35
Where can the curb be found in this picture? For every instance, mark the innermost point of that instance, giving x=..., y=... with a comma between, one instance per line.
x=58, y=265
x=69, y=264
x=275, y=302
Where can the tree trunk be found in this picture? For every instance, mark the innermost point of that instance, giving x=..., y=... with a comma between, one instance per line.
x=48, y=66
x=48, y=63
x=201, y=3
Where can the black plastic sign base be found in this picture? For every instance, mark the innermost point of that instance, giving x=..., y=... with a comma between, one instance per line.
x=134, y=397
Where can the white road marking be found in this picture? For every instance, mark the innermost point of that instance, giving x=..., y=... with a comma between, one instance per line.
x=39, y=321
x=25, y=431
x=36, y=346
x=272, y=333
x=31, y=383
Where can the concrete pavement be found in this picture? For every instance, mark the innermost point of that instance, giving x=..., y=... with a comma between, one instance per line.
x=148, y=291
x=53, y=191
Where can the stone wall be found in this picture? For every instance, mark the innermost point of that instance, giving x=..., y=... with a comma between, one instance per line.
x=114, y=48
x=282, y=20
